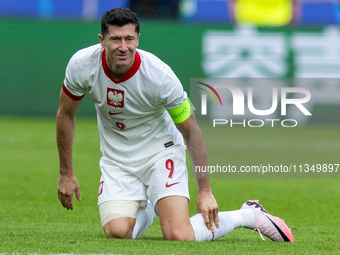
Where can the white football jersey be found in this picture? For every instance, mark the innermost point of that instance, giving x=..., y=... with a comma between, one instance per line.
x=132, y=119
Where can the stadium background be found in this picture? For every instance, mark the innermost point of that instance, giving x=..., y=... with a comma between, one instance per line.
x=299, y=39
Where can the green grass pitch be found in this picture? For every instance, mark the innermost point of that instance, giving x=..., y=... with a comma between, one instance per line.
x=32, y=219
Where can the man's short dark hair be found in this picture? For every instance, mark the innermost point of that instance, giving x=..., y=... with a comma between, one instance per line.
x=118, y=17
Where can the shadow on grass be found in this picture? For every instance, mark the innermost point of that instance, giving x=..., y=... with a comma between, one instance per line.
x=225, y=240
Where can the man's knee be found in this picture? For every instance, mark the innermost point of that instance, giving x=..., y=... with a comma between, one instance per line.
x=118, y=218
x=176, y=235
x=120, y=228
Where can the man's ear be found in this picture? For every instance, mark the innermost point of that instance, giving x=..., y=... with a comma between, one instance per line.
x=138, y=40
x=101, y=40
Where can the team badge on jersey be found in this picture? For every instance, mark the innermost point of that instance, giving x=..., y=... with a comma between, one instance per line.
x=180, y=98
x=115, y=98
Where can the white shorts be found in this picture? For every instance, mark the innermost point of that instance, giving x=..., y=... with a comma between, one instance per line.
x=161, y=176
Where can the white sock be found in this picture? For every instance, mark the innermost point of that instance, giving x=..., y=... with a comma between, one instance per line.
x=248, y=217
x=144, y=219
x=228, y=222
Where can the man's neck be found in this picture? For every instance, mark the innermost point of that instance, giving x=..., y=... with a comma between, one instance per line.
x=118, y=72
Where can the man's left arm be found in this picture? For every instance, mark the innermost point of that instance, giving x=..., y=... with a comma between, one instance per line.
x=206, y=203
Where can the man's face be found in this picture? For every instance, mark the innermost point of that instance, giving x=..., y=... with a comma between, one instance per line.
x=120, y=45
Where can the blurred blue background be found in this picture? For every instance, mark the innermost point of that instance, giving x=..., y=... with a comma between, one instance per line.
x=304, y=12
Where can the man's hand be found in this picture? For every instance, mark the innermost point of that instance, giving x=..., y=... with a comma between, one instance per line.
x=67, y=185
x=206, y=204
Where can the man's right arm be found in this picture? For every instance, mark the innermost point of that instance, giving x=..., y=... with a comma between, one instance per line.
x=66, y=119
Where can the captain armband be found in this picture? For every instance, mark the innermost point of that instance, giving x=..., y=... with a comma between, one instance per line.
x=182, y=112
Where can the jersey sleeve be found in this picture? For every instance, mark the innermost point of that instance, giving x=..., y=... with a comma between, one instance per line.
x=175, y=99
x=74, y=85
x=171, y=91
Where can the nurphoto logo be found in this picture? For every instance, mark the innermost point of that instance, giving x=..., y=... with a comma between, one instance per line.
x=277, y=100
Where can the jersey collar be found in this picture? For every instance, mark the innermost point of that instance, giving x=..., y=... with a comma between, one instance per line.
x=128, y=75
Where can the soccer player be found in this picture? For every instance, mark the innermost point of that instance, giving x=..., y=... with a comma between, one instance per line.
x=143, y=115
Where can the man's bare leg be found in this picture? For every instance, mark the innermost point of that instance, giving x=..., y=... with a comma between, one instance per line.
x=173, y=214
